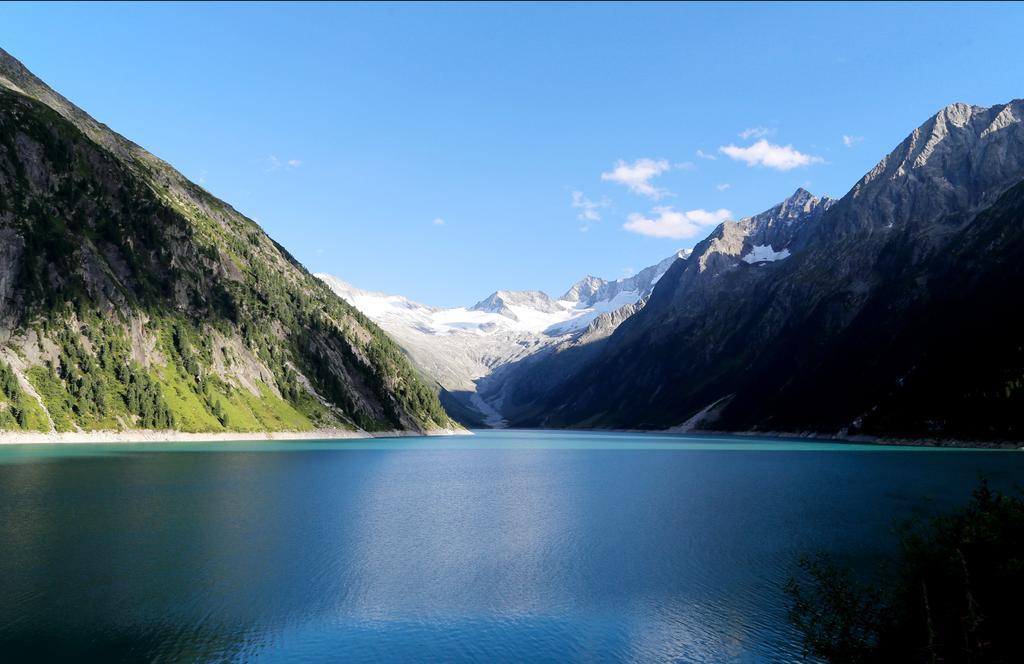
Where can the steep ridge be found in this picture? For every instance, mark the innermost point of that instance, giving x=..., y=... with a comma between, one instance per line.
x=462, y=347
x=893, y=314
x=734, y=256
x=130, y=298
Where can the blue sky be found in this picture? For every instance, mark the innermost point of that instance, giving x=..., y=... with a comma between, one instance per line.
x=436, y=150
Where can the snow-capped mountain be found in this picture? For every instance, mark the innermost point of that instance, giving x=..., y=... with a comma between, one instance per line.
x=591, y=289
x=459, y=346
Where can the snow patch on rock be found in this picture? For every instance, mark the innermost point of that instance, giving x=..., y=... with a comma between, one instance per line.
x=763, y=253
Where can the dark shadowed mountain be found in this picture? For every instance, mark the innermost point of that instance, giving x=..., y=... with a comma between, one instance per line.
x=895, y=311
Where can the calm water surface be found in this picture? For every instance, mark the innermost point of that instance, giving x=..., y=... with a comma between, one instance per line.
x=505, y=546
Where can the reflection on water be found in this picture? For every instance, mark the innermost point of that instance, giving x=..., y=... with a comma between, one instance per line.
x=504, y=546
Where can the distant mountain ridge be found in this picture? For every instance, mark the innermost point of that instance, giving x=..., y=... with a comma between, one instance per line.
x=595, y=289
x=501, y=302
x=461, y=347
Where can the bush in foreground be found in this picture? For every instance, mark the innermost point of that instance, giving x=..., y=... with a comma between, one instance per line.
x=954, y=594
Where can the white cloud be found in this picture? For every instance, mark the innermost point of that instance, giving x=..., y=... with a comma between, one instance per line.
x=669, y=223
x=723, y=186
x=769, y=155
x=274, y=164
x=756, y=132
x=850, y=141
x=588, y=209
x=637, y=176
x=705, y=155
x=438, y=221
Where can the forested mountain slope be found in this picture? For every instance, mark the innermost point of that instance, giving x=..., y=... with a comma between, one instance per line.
x=131, y=298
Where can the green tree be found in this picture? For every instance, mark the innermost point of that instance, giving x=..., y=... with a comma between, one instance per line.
x=952, y=595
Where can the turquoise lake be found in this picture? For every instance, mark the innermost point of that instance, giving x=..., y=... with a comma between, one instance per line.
x=500, y=547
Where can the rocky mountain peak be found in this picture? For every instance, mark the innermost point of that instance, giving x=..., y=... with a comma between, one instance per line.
x=962, y=157
x=500, y=302
x=764, y=237
x=799, y=197
x=584, y=288
x=592, y=290
x=958, y=113
x=795, y=208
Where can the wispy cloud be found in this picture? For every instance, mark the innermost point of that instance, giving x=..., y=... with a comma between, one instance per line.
x=666, y=222
x=704, y=155
x=723, y=186
x=637, y=176
x=769, y=155
x=850, y=141
x=438, y=221
x=756, y=132
x=273, y=164
x=588, y=209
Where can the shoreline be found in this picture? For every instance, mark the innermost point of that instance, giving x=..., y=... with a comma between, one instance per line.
x=862, y=440
x=155, y=436
x=809, y=436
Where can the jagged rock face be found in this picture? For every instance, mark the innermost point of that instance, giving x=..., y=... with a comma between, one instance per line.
x=783, y=226
x=956, y=164
x=132, y=298
x=780, y=230
x=833, y=332
x=734, y=251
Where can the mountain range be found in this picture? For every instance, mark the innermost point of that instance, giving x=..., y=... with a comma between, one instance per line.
x=131, y=298
x=461, y=347
x=891, y=312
